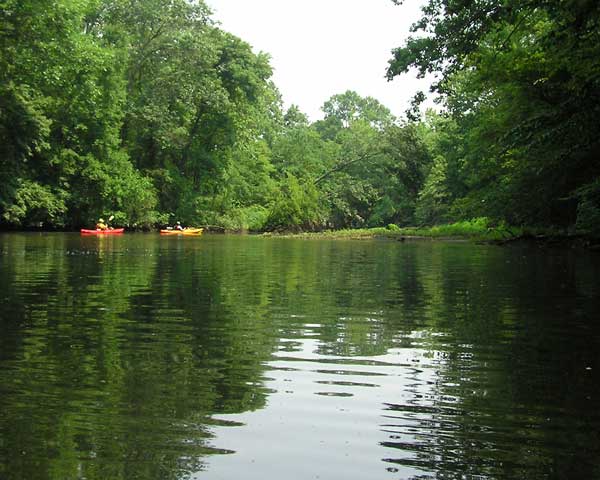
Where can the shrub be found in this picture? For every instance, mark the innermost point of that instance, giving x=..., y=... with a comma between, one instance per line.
x=297, y=207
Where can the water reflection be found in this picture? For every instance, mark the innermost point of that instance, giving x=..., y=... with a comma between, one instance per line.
x=156, y=358
x=325, y=417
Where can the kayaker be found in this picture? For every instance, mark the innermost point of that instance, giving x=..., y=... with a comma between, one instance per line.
x=178, y=226
x=101, y=225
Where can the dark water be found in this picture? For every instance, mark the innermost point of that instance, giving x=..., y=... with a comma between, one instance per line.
x=141, y=357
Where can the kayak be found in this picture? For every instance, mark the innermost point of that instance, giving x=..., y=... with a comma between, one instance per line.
x=97, y=231
x=185, y=231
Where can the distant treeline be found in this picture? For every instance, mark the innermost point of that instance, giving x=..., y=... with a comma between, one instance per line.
x=148, y=111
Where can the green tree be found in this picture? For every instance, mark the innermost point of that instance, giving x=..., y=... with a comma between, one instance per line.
x=379, y=167
x=519, y=80
x=297, y=207
x=61, y=116
x=198, y=102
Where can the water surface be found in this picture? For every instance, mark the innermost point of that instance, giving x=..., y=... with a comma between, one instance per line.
x=220, y=357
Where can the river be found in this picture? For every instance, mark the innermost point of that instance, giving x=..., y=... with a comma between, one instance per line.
x=221, y=357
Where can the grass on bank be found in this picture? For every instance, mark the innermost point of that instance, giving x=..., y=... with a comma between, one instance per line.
x=477, y=229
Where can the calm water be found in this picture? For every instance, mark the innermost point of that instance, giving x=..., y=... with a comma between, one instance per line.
x=141, y=357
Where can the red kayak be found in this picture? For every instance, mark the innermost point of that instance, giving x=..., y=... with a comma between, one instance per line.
x=97, y=231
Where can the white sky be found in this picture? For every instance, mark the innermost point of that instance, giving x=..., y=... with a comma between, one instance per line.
x=320, y=48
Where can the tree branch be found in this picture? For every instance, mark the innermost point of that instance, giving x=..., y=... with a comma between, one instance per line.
x=342, y=166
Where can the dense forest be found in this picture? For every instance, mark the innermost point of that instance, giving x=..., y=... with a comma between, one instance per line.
x=148, y=111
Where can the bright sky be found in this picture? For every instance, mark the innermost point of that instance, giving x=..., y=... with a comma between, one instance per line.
x=320, y=48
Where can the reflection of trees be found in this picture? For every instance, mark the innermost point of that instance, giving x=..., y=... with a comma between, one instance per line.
x=126, y=347
x=116, y=355
x=512, y=396
x=361, y=295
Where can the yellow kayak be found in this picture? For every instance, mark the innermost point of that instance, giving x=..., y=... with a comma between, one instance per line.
x=185, y=231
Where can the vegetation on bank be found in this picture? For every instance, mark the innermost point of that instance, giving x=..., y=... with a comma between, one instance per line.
x=477, y=229
x=148, y=111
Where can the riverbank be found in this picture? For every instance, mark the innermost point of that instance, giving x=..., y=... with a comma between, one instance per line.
x=477, y=231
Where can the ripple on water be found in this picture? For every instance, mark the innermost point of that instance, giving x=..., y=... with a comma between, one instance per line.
x=265, y=358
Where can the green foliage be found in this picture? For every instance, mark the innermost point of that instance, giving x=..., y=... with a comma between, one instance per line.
x=252, y=218
x=133, y=197
x=302, y=152
x=295, y=118
x=349, y=107
x=86, y=86
x=24, y=132
x=23, y=126
x=518, y=79
x=382, y=211
x=34, y=204
x=466, y=228
x=148, y=111
x=433, y=201
x=367, y=168
x=114, y=186
x=476, y=229
x=296, y=207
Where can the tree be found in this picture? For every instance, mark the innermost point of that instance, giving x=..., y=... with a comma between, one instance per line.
x=380, y=167
x=518, y=78
x=295, y=118
x=297, y=207
x=61, y=115
x=198, y=101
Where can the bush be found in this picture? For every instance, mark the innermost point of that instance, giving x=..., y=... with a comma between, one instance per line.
x=297, y=207
x=35, y=204
x=247, y=218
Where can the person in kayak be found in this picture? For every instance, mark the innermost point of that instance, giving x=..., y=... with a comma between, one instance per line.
x=105, y=226
x=101, y=225
x=178, y=226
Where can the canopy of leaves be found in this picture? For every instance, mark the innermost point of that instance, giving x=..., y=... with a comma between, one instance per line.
x=147, y=111
x=521, y=80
